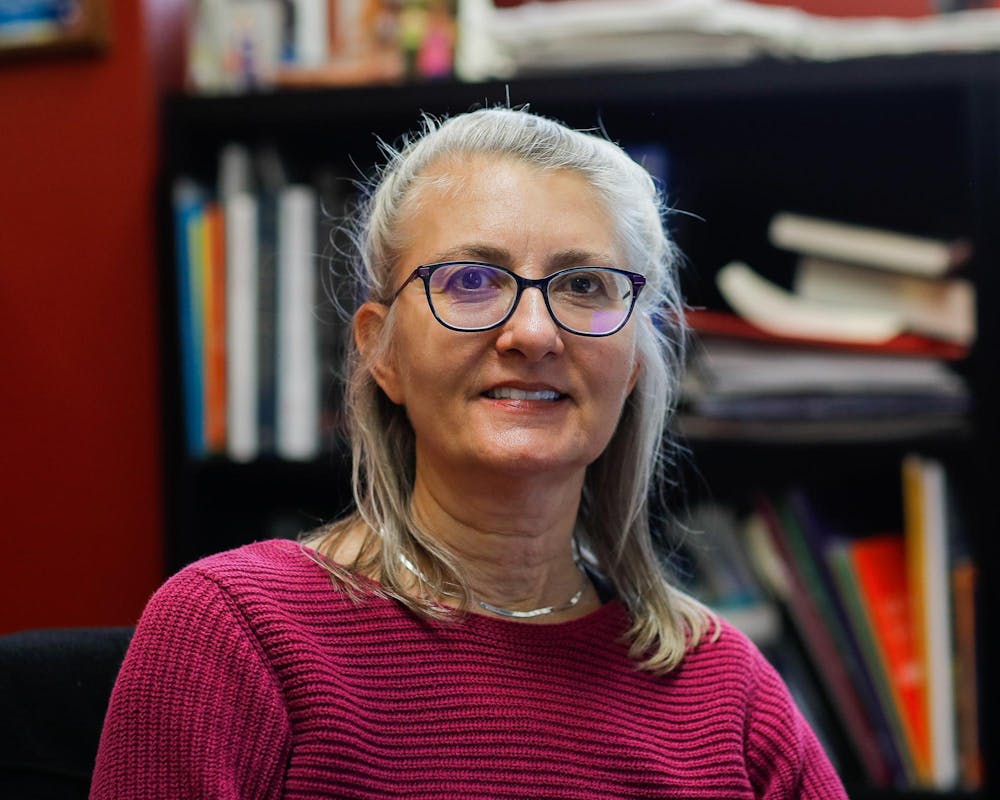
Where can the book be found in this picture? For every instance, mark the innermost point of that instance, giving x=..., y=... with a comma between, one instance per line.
x=308, y=25
x=944, y=308
x=779, y=566
x=297, y=356
x=964, y=577
x=188, y=211
x=741, y=381
x=810, y=535
x=928, y=564
x=777, y=311
x=242, y=284
x=235, y=171
x=739, y=369
x=271, y=181
x=729, y=325
x=872, y=578
x=810, y=431
x=858, y=244
x=214, y=327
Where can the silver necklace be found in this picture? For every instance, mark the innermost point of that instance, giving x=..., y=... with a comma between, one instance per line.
x=511, y=613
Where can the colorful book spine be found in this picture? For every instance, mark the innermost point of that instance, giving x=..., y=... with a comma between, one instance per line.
x=188, y=211
x=871, y=574
x=214, y=326
x=808, y=540
x=926, y=524
x=826, y=654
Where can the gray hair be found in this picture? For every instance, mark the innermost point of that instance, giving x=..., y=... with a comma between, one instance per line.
x=613, y=529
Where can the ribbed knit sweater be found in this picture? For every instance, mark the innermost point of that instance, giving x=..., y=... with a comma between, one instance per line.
x=252, y=676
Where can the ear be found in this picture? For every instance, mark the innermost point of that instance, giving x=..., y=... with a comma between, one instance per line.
x=369, y=324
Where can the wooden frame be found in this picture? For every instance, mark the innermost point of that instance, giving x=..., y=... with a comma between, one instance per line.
x=77, y=27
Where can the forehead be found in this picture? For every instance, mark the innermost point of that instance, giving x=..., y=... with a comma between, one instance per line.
x=505, y=205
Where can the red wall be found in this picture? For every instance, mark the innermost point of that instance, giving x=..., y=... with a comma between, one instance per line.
x=80, y=498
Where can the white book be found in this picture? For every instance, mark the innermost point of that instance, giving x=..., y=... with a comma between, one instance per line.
x=243, y=441
x=944, y=308
x=235, y=171
x=746, y=369
x=777, y=311
x=311, y=33
x=297, y=367
x=929, y=565
x=856, y=244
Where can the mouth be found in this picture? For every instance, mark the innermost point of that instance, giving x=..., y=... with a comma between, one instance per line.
x=511, y=393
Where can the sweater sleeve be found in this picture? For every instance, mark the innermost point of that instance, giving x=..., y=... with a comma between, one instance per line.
x=196, y=710
x=785, y=759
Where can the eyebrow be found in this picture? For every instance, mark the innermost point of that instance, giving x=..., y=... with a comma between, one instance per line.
x=561, y=259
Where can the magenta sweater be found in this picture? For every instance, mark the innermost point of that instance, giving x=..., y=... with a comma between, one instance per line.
x=250, y=676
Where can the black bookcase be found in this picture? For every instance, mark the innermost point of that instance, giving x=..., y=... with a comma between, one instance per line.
x=904, y=143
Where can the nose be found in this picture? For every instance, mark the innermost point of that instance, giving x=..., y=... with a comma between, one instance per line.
x=531, y=329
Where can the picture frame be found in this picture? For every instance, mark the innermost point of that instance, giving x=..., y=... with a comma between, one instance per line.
x=30, y=28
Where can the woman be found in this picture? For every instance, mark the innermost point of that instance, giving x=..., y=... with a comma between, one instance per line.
x=492, y=621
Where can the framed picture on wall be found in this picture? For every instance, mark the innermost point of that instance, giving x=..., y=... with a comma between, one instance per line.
x=42, y=27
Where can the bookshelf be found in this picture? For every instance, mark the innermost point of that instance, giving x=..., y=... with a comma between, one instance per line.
x=906, y=143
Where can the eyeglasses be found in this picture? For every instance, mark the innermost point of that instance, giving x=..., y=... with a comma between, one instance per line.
x=473, y=296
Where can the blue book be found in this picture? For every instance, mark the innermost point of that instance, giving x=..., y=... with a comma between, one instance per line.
x=188, y=218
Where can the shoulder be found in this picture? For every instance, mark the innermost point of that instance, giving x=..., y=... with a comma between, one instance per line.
x=726, y=647
x=246, y=584
x=727, y=667
x=272, y=567
x=257, y=559
x=783, y=756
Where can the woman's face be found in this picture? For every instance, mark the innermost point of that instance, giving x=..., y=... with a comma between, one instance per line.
x=453, y=383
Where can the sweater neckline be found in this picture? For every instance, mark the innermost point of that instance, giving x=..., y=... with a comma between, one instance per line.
x=612, y=609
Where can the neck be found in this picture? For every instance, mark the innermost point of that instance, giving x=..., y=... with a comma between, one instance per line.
x=514, y=540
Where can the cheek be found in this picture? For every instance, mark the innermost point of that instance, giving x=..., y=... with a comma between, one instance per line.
x=619, y=368
x=434, y=372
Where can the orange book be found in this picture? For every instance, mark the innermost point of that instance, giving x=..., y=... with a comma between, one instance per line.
x=879, y=564
x=925, y=506
x=215, y=329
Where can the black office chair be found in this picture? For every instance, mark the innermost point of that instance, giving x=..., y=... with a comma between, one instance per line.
x=54, y=690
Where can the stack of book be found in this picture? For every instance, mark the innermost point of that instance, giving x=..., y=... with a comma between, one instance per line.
x=887, y=619
x=503, y=39
x=252, y=334
x=864, y=345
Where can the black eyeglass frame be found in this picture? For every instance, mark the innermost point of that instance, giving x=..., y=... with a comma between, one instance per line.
x=425, y=271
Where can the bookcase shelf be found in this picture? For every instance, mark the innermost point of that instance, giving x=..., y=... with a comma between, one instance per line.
x=902, y=142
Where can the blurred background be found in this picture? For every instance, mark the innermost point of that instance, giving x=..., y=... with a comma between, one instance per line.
x=137, y=137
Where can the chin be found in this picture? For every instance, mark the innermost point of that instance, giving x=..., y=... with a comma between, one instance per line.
x=530, y=456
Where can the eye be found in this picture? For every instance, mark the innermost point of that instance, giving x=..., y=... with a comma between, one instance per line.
x=585, y=283
x=469, y=282
x=583, y=286
x=469, y=279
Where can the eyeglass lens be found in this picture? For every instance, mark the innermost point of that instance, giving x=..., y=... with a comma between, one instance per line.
x=588, y=300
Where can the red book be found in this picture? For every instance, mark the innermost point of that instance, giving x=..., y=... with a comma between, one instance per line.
x=721, y=323
x=879, y=564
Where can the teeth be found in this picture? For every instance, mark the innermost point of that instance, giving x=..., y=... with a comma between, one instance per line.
x=509, y=393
